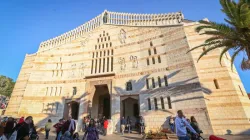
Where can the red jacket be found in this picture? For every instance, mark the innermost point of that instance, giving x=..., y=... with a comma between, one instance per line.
x=105, y=125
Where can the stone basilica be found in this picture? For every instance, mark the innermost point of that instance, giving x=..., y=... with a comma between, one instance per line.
x=123, y=64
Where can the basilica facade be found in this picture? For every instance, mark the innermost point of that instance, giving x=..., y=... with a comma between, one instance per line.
x=123, y=64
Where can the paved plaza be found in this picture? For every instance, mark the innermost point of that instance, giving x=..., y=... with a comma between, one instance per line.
x=139, y=137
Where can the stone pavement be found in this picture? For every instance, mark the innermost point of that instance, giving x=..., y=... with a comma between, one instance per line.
x=139, y=137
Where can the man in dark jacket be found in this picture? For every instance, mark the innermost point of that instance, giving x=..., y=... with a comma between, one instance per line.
x=23, y=129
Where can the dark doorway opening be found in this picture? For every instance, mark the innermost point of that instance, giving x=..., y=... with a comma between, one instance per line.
x=74, y=110
x=101, y=102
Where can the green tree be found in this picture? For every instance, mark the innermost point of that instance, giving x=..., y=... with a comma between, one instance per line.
x=232, y=35
x=6, y=85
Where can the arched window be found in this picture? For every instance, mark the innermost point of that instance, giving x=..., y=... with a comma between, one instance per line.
x=159, y=59
x=159, y=81
x=155, y=51
x=147, y=84
x=153, y=60
x=153, y=82
x=162, y=103
x=149, y=104
x=166, y=80
x=129, y=86
x=74, y=90
x=216, y=84
x=151, y=43
x=169, y=103
x=147, y=61
x=156, y=105
x=149, y=52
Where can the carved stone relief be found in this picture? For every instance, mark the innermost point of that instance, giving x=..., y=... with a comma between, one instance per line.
x=81, y=69
x=134, y=61
x=72, y=72
x=122, y=36
x=50, y=108
x=122, y=63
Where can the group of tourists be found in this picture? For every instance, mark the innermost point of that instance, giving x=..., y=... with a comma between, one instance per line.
x=183, y=127
x=126, y=124
x=17, y=129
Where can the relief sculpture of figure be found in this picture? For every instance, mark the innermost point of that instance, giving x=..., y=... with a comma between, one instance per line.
x=134, y=61
x=121, y=61
x=122, y=36
x=85, y=41
x=81, y=69
x=72, y=74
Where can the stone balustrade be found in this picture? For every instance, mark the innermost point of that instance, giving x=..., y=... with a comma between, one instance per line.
x=114, y=18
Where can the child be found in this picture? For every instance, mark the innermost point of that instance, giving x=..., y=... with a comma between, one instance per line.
x=105, y=126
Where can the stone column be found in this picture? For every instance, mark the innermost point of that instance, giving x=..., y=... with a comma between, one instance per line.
x=80, y=115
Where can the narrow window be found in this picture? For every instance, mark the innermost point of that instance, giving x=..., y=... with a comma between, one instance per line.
x=60, y=91
x=60, y=59
x=103, y=65
x=149, y=104
x=55, y=91
x=96, y=54
x=108, y=64
x=107, y=45
x=100, y=54
x=155, y=51
x=104, y=53
x=153, y=60
x=169, y=103
x=98, y=40
x=159, y=59
x=47, y=89
x=159, y=81
x=107, y=34
x=110, y=44
x=129, y=86
x=156, y=105
x=100, y=35
x=111, y=63
x=108, y=52
x=241, y=91
x=101, y=39
x=109, y=38
x=61, y=73
x=92, y=66
x=61, y=66
x=95, y=46
x=102, y=45
x=147, y=61
x=162, y=103
x=100, y=61
x=51, y=91
x=147, y=84
x=52, y=73
x=74, y=90
x=105, y=39
x=99, y=46
x=95, y=65
x=149, y=52
x=93, y=55
x=112, y=52
x=57, y=73
x=204, y=49
x=153, y=82
x=216, y=84
x=151, y=43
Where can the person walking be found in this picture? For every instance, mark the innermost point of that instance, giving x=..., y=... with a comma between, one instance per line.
x=48, y=126
x=123, y=123
x=84, y=124
x=23, y=129
x=129, y=124
x=142, y=125
x=105, y=127
x=171, y=123
x=181, y=124
x=9, y=126
x=195, y=126
x=58, y=127
x=91, y=132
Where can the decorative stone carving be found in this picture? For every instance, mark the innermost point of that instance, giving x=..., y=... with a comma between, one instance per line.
x=122, y=62
x=72, y=73
x=134, y=61
x=81, y=69
x=122, y=36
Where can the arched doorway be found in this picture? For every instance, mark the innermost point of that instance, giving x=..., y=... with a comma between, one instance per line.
x=71, y=109
x=101, y=102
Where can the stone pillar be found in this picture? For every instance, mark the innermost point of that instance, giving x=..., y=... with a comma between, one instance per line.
x=115, y=112
x=80, y=115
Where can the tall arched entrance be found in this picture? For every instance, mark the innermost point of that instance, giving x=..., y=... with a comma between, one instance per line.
x=71, y=109
x=101, y=102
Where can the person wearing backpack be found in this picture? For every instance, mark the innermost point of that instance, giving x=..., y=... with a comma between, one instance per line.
x=48, y=126
x=21, y=131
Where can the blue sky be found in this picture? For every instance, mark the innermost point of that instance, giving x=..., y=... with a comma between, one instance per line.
x=25, y=23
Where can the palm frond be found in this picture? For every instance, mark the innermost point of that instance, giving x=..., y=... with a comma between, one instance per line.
x=234, y=56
